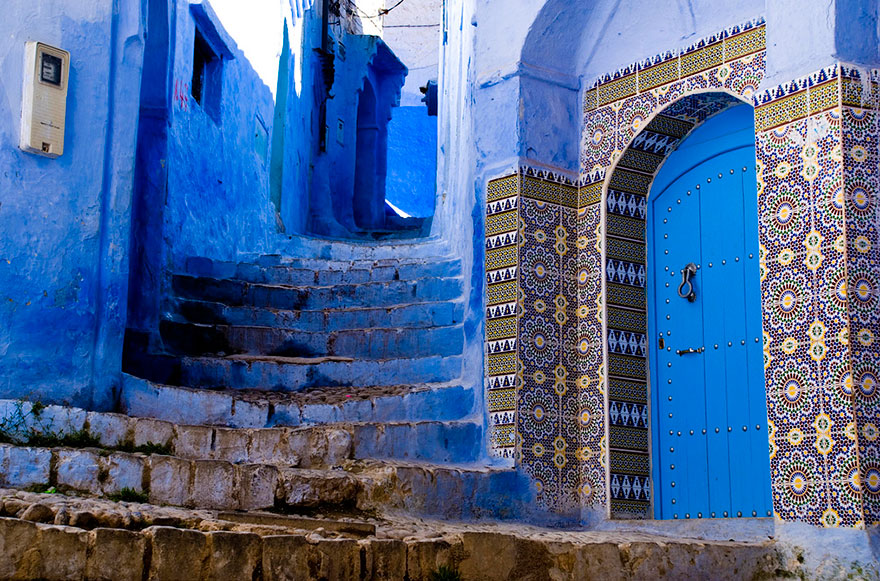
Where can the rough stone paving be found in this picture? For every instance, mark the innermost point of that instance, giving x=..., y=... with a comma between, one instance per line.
x=55, y=536
x=194, y=384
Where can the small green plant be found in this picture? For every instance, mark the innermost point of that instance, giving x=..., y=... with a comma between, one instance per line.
x=445, y=573
x=148, y=448
x=78, y=439
x=128, y=495
x=41, y=489
x=81, y=439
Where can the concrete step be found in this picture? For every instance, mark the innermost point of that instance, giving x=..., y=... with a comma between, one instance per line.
x=461, y=492
x=316, y=446
x=365, y=344
x=416, y=316
x=374, y=294
x=99, y=539
x=275, y=269
x=252, y=409
x=291, y=374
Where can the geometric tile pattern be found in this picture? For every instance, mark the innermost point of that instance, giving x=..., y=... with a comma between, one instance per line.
x=566, y=311
x=561, y=291
x=633, y=119
x=817, y=148
x=502, y=219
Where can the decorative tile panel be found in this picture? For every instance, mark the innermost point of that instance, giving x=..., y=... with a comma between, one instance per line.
x=622, y=104
x=860, y=126
x=502, y=262
x=816, y=138
x=565, y=263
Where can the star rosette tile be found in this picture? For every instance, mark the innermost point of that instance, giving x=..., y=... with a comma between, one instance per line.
x=863, y=290
x=844, y=506
x=539, y=342
x=539, y=216
x=785, y=210
x=793, y=400
x=860, y=139
x=824, y=132
x=829, y=199
x=599, y=138
x=784, y=141
x=633, y=117
x=787, y=298
x=870, y=481
x=862, y=198
x=799, y=492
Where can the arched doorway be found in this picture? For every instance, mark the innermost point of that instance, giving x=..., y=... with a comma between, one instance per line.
x=666, y=141
x=368, y=203
x=709, y=413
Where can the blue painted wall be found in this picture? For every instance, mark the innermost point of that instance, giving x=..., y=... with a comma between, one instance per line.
x=412, y=160
x=65, y=222
x=203, y=180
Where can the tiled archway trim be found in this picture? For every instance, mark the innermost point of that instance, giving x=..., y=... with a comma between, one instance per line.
x=818, y=157
x=633, y=120
x=546, y=366
x=625, y=301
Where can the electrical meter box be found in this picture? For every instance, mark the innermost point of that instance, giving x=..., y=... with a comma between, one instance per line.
x=44, y=102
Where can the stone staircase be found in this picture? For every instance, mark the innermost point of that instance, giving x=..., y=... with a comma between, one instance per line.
x=291, y=325
x=301, y=420
x=368, y=351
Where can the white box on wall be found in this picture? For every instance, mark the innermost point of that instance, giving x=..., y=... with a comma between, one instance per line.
x=44, y=100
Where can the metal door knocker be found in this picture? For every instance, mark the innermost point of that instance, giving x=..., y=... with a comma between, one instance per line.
x=686, y=289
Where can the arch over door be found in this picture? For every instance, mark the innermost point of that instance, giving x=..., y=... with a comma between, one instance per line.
x=710, y=448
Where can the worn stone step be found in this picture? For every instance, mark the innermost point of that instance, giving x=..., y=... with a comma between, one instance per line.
x=90, y=512
x=365, y=344
x=35, y=550
x=250, y=409
x=210, y=484
x=374, y=294
x=317, y=272
x=456, y=492
x=416, y=316
x=307, y=447
x=291, y=374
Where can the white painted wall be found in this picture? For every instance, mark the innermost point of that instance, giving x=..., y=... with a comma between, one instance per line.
x=256, y=27
x=413, y=30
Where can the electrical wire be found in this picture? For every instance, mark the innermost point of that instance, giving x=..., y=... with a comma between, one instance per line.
x=412, y=25
x=381, y=13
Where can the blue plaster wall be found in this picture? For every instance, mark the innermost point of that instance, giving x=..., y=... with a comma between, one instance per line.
x=217, y=201
x=301, y=128
x=333, y=179
x=65, y=222
x=412, y=160
x=203, y=183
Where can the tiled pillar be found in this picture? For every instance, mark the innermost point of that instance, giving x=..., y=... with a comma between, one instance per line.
x=861, y=194
x=814, y=171
x=550, y=414
x=502, y=252
x=590, y=346
x=544, y=336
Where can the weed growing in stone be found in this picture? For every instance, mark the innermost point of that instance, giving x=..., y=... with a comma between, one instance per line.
x=78, y=439
x=148, y=448
x=128, y=495
x=41, y=489
x=25, y=424
x=445, y=573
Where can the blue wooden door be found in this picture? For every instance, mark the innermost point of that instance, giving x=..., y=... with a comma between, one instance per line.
x=710, y=446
